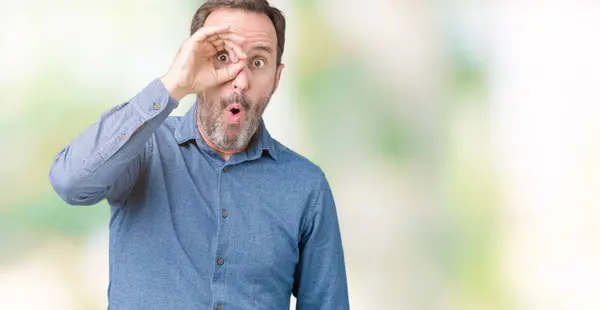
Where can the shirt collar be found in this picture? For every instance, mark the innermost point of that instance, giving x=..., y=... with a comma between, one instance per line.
x=261, y=142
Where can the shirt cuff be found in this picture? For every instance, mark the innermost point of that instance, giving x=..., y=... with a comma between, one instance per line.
x=153, y=99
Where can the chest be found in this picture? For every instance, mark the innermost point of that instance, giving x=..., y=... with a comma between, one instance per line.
x=249, y=213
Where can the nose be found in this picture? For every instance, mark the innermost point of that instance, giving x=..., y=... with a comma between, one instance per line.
x=240, y=82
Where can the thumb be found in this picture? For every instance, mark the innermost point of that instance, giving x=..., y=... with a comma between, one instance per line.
x=230, y=71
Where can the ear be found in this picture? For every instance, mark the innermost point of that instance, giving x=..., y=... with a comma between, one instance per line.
x=278, y=76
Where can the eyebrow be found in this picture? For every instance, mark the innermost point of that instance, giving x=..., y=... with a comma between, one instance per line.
x=264, y=48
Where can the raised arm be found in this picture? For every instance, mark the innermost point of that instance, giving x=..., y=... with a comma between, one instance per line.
x=105, y=160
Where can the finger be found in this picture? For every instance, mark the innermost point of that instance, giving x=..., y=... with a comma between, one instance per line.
x=205, y=32
x=236, y=49
x=235, y=38
x=212, y=38
x=218, y=44
x=232, y=55
x=229, y=72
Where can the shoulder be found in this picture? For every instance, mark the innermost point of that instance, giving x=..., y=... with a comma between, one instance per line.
x=171, y=129
x=169, y=134
x=172, y=123
x=309, y=173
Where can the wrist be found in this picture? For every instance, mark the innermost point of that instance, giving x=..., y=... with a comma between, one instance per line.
x=175, y=92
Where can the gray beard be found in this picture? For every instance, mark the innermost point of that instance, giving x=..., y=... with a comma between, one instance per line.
x=216, y=130
x=217, y=134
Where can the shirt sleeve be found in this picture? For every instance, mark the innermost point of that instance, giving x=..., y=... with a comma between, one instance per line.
x=105, y=160
x=320, y=279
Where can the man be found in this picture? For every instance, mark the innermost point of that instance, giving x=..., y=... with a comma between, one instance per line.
x=207, y=210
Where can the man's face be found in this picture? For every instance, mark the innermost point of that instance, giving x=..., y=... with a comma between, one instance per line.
x=230, y=113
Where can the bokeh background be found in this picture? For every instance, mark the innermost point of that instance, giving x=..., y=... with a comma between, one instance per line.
x=461, y=140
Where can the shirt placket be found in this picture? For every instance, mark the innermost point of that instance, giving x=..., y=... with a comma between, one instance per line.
x=219, y=287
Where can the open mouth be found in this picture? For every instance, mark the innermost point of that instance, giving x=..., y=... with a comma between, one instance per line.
x=235, y=113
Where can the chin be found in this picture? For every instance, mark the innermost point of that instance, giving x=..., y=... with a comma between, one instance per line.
x=232, y=131
x=229, y=140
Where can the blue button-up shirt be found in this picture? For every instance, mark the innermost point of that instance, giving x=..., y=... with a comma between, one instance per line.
x=189, y=230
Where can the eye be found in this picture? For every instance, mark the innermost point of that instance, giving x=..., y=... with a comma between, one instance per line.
x=258, y=63
x=223, y=57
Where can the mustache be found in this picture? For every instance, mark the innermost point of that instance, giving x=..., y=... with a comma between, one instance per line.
x=240, y=98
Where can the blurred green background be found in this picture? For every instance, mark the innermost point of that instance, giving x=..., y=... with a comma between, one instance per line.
x=460, y=139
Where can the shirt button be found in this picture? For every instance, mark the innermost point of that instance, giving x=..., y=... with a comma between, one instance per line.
x=225, y=168
x=156, y=106
x=219, y=307
x=122, y=136
x=225, y=214
x=220, y=261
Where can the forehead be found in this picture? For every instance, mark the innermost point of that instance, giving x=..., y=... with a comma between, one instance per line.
x=255, y=27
